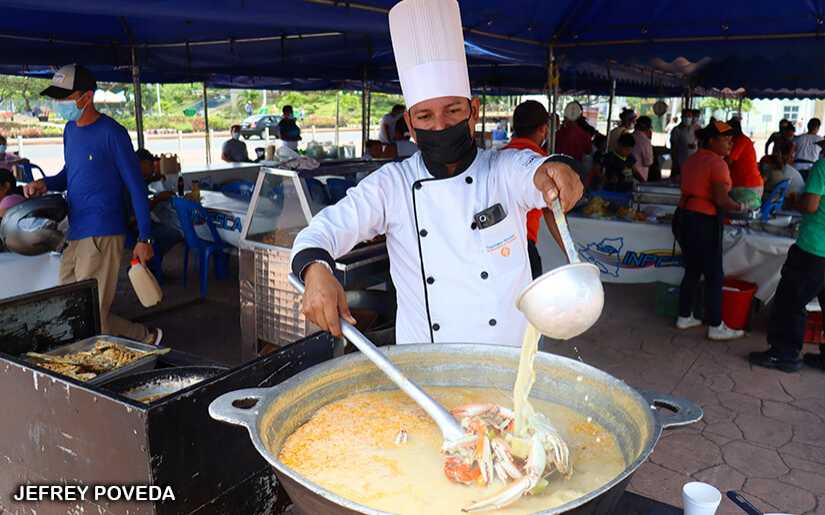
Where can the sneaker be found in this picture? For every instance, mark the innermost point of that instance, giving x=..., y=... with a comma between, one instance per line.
x=723, y=332
x=769, y=359
x=687, y=322
x=154, y=337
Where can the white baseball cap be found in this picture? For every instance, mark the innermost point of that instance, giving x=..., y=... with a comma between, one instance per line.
x=68, y=79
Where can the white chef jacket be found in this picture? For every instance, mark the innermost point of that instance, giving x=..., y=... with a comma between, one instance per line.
x=455, y=283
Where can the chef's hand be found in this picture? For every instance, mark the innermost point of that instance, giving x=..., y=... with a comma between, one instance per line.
x=35, y=189
x=558, y=180
x=143, y=252
x=325, y=302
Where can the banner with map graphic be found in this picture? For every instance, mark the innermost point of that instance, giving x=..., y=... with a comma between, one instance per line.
x=628, y=252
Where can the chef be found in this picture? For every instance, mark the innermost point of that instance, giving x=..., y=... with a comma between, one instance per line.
x=452, y=213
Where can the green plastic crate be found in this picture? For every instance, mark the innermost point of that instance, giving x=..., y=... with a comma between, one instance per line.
x=667, y=300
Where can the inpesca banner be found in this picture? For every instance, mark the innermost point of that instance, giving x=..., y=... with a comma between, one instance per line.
x=627, y=252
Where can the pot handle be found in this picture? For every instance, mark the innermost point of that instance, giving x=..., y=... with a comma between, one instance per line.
x=239, y=407
x=672, y=411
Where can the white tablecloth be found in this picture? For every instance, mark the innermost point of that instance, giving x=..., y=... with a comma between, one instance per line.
x=756, y=257
x=26, y=274
x=229, y=214
x=628, y=252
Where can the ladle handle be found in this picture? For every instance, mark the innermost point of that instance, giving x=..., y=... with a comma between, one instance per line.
x=564, y=232
x=450, y=428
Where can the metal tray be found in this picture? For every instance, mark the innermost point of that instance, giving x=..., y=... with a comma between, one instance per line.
x=669, y=189
x=140, y=364
x=657, y=198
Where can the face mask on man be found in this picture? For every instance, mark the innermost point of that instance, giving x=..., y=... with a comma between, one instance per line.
x=687, y=120
x=236, y=135
x=2, y=149
x=68, y=110
x=447, y=146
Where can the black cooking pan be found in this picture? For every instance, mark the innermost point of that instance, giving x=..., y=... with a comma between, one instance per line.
x=154, y=385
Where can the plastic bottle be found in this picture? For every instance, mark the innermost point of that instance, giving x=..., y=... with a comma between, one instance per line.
x=145, y=285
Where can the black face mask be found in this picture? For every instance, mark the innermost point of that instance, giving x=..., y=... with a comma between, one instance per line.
x=448, y=146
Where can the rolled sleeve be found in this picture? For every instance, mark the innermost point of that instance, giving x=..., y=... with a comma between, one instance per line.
x=519, y=167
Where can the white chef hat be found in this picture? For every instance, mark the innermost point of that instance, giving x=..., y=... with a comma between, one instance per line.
x=428, y=43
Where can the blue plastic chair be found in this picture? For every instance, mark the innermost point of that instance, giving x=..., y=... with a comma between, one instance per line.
x=774, y=201
x=189, y=214
x=337, y=189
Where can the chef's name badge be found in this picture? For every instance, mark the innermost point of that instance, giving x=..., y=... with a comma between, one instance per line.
x=79, y=493
x=502, y=246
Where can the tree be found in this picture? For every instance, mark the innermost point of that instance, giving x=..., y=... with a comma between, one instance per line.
x=21, y=89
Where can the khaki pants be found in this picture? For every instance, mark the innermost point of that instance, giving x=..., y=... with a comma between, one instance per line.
x=99, y=257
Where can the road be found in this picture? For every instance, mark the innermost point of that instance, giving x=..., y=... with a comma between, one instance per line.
x=48, y=153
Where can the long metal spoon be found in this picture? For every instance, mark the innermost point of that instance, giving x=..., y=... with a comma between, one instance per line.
x=564, y=231
x=450, y=428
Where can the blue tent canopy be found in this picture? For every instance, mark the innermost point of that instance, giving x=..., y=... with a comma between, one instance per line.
x=648, y=47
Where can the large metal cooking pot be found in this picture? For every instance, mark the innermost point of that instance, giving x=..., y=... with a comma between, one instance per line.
x=31, y=227
x=272, y=414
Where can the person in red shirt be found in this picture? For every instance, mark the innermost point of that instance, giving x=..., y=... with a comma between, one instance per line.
x=746, y=182
x=530, y=132
x=572, y=139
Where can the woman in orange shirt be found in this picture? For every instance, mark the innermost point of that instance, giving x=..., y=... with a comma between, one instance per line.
x=706, y=184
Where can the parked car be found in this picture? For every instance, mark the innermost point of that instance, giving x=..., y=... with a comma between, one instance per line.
x=255, y=125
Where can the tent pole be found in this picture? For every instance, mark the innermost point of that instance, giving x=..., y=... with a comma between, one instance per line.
x=157, y=93
x=138, y=99
x=337, y=123
x=206, y=125
x=369, y=111
x=364, y=115
x=610, y=106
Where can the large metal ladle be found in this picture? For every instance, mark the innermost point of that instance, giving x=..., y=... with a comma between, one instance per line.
x=566, y=301
x=450, y=428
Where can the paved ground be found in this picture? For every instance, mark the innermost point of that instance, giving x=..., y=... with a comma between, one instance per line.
x=763, y=432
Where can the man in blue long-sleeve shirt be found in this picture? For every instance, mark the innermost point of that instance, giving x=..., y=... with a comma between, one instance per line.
x=100, y=169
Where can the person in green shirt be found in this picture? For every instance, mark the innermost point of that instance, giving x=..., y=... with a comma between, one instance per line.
x=803, y=278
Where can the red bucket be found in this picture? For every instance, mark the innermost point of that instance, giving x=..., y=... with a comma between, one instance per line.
x=737, y=297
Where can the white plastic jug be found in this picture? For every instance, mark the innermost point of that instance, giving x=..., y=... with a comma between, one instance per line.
x=145, y=285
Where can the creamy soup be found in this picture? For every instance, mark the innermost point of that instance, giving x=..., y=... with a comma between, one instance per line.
x=349, y=447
